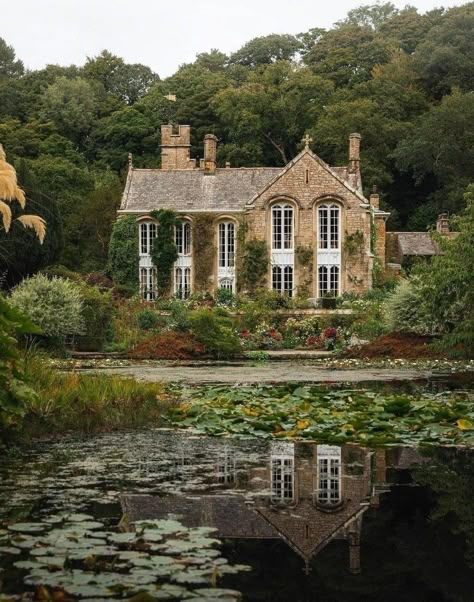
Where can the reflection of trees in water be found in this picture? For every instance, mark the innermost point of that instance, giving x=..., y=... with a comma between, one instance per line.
x=451, y=478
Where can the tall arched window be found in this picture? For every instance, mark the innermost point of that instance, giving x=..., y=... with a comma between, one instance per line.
x=148, y=283
x=183, y=238
x=282, y=227
x=329, y=226
x=148, y=231
x=329, y=249
x=283, y=248
x=183, y=264
x=226, y=255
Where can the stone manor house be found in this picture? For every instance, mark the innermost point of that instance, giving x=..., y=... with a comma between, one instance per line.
x=322, y=234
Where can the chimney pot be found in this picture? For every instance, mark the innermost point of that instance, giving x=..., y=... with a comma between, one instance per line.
x=354, y=152
x=227, y=164
x=210, y=153
x=442, y=223
x=374, y=198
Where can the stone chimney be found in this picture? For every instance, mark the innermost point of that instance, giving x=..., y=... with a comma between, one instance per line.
x=354, y=152
x=354, y=554
x=210, y=153
x=374, y=198
x=442, y=223
x=175, y=147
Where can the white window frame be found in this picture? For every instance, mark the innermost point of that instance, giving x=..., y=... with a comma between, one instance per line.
x=282, y=248
x=148, y=283
x=147, y=234
x=282, y=479
x=329, y=476
x=183, y=238
x=226, y=253
x=328, y=245
x=182, y=282
x=283, y=227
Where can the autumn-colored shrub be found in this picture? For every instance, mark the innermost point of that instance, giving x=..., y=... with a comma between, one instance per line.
x=168, y=345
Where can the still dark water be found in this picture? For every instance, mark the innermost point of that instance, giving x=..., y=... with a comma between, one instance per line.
x=313, y=522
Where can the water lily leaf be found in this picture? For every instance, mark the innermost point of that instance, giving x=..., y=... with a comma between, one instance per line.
x=465, y=425
x=28, y=527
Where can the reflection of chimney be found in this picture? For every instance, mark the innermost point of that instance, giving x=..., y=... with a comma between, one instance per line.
x=442, y=223
x=354, y=557
x=354, y=152
x=210, y=153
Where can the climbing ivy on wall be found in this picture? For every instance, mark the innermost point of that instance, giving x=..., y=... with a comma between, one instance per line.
x=203, y=251
x=254, y=264
x=123, y=253
x=163, y=251
x=304, y=255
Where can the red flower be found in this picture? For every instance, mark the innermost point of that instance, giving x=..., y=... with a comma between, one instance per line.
x=314, y=341
x=330, y=333
x=274, y=334
x=244, y=334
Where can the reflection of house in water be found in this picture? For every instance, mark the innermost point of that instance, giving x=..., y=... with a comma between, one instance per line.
x=306, y=495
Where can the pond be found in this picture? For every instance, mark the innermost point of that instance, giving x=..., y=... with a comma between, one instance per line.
x=111, y=516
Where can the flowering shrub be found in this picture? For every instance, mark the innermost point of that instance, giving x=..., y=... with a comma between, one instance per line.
x=55, y=305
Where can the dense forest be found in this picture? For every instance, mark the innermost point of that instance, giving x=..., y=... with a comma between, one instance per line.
x=404, y=80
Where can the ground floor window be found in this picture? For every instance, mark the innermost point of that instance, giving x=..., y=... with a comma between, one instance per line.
x=148, y=283
x=182, y=284
x=227, y=284
x=329, y=475
x=328, y=280
x=282, y=279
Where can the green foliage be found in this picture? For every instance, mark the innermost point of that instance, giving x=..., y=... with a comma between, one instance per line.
x=266, y=50
x=147, y=319
x=98, y=314
x=254, y=265
x=123, y=252
x=164, y=252
x=55, y=305
x=354, y=243
x=215, y=331
x=447, y=284
x=21, y=253
x=304, y=255
x=204, y=249
x=15, y=394
x=404, y=310
x=86, y=402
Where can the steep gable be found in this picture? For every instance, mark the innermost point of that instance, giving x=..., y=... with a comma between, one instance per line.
x=306, y=178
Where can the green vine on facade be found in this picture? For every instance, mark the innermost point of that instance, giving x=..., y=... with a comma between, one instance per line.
x=123, y=253
x=304, y=255
x=354, y=243
x=163, y=251
x=203, y=250
x=254, y=264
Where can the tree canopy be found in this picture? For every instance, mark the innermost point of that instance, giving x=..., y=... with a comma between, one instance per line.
x=402, y=78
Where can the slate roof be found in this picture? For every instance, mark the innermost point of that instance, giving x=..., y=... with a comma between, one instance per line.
x=417, y=243
x=189, y=190
x=228, y=514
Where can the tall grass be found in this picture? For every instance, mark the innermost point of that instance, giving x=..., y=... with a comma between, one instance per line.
x=87, y=403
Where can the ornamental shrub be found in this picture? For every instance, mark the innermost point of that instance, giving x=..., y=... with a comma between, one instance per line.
x=215, y=330
x=147, y=319
x=123, y=253
x=164, y=252
x=98, y=313
x=404, y=309
x=55, y=305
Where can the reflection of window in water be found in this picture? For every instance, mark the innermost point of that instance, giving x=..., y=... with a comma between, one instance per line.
x=181, y=461
x=225, y=467
x=283, y=480
x=329, y=475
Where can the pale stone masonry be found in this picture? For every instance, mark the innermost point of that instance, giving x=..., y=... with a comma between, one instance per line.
x=306, y=209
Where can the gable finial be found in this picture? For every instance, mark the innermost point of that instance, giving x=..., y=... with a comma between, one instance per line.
x=307, y=141
x=130, y=160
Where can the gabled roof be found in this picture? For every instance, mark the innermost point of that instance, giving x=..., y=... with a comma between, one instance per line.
x=189, y=190
x=341, y=174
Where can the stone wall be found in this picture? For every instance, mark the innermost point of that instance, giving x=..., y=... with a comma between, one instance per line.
x=305, y=185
